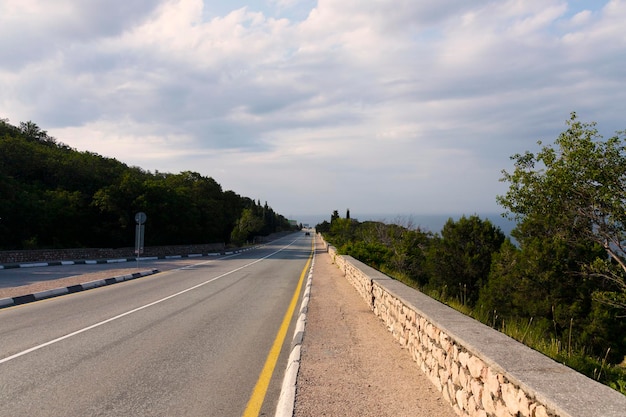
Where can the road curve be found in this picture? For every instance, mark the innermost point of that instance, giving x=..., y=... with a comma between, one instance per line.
x=185, y=342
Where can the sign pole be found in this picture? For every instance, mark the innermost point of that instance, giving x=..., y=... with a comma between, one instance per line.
x=140, y=218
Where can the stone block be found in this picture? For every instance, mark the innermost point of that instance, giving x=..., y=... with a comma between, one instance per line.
x=434, y=379
x=440, y=356
x=492, y=385
x=515, y=400
x=475, y=367
x=487, y=402
x=464, y=358
x=509, y=396
x=476, y=388
x=444, y=374
x=450, y=387
x=454, y=372
x=444, y=342
x=415, y=354
x=429, y=330
x=423, y=323
x=446, y=395
x=412, y=317
x=523, y=404
x=430, y=346
x=538, y=410
x=502, y=410
x=472, y=407
x=463, y=377
x=461, y=399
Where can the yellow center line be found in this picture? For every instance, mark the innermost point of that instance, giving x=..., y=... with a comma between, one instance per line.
x=260, y=389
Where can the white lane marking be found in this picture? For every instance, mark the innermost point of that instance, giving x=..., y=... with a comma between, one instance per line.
x=119, y=316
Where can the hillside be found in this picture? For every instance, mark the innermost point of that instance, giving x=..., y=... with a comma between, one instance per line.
x=54, y=196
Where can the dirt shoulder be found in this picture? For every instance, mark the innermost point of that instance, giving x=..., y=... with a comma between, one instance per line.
x=350, y=364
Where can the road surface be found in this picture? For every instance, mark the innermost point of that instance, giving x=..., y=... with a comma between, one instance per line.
x=12, y=277
x=187, y=342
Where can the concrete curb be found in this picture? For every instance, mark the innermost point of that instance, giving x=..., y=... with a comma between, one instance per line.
x=287, y=398
x=29, y=298
x=118, y=260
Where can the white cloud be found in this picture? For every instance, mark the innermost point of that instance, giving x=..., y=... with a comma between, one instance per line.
x=398, y=106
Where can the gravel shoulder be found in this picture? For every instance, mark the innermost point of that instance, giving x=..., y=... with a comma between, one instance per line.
x=350, y=364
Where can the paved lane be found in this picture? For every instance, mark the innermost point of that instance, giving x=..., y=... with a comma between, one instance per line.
x=186, y=342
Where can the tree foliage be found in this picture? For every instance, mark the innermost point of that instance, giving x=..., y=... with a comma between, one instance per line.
x=394, y=248
x=460, y=258
x=569, y=268
x=575, y=192
x=54, y=196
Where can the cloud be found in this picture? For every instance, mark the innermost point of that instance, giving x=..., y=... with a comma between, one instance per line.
x=32, y=30
x=397, y=106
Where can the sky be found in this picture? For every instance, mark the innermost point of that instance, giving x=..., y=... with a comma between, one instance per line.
x=376, y=106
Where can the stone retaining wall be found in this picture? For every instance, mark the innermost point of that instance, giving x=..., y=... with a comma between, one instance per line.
x=48, y=255
x=480, y=371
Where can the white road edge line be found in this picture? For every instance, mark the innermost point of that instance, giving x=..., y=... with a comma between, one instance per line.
x=119, y=316
x=287, y=397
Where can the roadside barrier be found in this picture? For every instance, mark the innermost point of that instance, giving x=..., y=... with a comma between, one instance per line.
x=480, y=371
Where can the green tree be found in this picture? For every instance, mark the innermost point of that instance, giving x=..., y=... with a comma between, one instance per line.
x=539, y=281
x=323, y=227
x=460, y=258
x=372, y=253
x=575, y=191
x=405, y=247
x=342, y=232
x=247, y=226
x=30, y=130
x=55, y=196
x=409, y=255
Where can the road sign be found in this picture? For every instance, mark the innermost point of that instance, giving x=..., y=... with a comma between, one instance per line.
x=140, y=218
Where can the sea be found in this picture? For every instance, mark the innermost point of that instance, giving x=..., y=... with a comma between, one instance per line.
x=428, y=222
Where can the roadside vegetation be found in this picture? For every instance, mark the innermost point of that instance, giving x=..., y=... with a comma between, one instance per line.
x=52, y=196
x=561, y=287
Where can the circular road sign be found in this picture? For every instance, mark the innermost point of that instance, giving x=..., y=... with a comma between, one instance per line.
x=140, y=217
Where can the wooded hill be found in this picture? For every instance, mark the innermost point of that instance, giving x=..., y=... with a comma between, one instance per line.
x=53, y=196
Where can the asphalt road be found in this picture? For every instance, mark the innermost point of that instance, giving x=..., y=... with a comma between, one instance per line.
x=196, y=341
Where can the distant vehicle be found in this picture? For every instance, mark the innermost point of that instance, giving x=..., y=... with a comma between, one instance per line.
x=307, y=234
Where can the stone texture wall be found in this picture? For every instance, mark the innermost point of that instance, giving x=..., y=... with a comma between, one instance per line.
x=53, y=255
x=50, y=255
x=481, y=372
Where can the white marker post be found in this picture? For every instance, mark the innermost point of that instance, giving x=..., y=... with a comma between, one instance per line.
x=140, y=218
